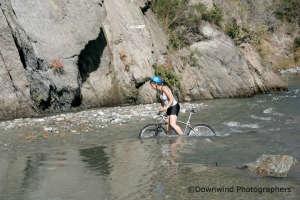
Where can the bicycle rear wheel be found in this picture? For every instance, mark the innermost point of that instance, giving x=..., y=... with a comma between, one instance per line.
x=152, y=130
x=203, y=130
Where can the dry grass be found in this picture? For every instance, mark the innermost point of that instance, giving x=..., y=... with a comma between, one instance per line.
x=57, y=65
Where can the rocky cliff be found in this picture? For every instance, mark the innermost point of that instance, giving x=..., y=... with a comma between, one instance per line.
x=275, y=23
x=57, y=55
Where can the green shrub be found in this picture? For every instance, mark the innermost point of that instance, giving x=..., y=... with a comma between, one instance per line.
x=175, y=16
x=288, y=10
x=179, y=19
x=177, y=40
x=213, y=16
x=168, y=11
x=168, y=75
x=242, y=34
x=200, y=7
x=233, y=30
x=297, y=49
x=297, y=43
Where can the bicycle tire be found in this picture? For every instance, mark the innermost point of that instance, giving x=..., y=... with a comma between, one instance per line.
x=152, y=130
x=203, y=130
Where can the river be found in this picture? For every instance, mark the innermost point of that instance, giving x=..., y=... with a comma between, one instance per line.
x=80, y=156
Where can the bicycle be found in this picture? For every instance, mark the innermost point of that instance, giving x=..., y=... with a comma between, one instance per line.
x=157, y=129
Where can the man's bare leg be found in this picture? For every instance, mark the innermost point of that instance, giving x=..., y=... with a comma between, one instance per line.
x=173, y=124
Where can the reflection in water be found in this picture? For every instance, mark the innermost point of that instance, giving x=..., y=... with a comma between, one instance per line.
x=96, y=160
x=127, y=169
x=175, y=146
x=172, y=158
x=31, y=171
x=22, y=174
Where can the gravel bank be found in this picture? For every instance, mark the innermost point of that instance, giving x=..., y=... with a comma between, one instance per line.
x=89, y=120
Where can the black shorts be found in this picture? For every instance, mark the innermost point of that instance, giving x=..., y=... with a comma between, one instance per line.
x=173, y=110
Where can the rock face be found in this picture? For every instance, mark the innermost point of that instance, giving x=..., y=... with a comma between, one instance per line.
x=131, y=51
x=14, y=87
x=276, y=45
x=45, y=32
x=272, y=165
x=57, y=55
x=216, y=68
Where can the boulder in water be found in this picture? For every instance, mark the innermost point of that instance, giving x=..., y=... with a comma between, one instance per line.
x=272, y=165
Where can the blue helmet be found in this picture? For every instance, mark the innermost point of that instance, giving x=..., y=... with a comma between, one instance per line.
x=157, y=80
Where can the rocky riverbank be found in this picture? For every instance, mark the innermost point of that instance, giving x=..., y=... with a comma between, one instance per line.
x=294, y=70
x=89, y=120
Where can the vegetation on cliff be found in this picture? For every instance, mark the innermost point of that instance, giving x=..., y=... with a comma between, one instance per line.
x=241, y=34
x=181, y=20
x=289, y=10
x=168, y=75
x=297, y=49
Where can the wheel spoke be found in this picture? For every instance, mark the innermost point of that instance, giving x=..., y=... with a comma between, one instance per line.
x=202, y=130
x=152, y=130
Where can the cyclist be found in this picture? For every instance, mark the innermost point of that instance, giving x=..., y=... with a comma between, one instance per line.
x=169, y=103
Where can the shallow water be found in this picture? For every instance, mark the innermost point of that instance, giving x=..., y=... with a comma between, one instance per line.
x=111, y=163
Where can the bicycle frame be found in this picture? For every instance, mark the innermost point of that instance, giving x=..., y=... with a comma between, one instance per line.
x=187, y=123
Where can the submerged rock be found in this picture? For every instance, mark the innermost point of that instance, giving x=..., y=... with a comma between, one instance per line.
x=272, y=165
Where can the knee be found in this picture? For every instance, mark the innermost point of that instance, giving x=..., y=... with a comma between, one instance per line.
x=173, y=124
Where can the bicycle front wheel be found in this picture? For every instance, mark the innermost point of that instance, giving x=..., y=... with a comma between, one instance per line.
x=152, y=130
x=202, y=130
